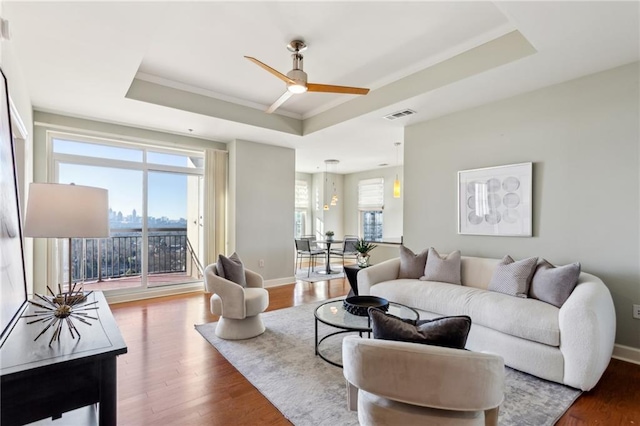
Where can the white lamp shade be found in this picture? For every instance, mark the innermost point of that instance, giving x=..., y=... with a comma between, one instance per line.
x=67, y=211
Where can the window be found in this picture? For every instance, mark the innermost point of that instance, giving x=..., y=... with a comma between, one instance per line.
x=302, y=207
x=155, y=196
x=370, y=206
x=372, y=225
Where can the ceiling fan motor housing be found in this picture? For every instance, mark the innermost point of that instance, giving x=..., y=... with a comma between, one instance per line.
x=298, y=76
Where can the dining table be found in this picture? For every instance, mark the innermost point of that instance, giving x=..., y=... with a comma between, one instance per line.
x=327, y=243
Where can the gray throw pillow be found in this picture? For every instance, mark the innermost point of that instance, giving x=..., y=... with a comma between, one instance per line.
x=554, y=284
x=411, y=265
x=512, y=277
x=232, y=269
x=445, y=270
x=450, y=332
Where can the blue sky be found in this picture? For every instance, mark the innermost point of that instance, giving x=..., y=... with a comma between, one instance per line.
x=167, y=191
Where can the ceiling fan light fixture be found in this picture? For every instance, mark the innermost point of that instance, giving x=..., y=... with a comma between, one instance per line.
x=296, y=88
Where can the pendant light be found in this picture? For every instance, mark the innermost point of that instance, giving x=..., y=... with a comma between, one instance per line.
x=334, y=195
x=396, y=183
x=324, y=189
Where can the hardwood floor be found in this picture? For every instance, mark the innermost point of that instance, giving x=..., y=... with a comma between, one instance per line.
x=172, y=376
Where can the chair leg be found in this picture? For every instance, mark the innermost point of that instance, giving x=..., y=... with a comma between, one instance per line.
x=491, y=416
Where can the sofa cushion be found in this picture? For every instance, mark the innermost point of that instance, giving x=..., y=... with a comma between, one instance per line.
x=450, y=332
x=411, y=265
x=231, y=268
x=526, y=318
x=554, y=284
x=444, y=269
x=513, y=278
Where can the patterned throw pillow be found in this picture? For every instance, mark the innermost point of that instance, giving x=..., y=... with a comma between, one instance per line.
x=411, y=265
x=512, y=277
x=554, y=284
x=450, y=332
x=445, y=270
x=232, y=269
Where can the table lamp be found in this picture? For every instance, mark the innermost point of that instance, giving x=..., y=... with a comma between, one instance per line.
x=67, y=211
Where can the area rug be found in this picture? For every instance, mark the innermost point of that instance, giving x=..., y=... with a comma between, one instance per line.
x=282, y=365
x=301, y=274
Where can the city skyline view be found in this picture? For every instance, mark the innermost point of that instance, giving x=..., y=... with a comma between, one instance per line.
x=119, y=219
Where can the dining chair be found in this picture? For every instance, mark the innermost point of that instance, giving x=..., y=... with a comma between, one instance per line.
x=304, y=251
x=348, y=248
x=313, y=242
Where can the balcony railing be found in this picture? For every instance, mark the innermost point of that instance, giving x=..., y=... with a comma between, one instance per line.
x=121, y=255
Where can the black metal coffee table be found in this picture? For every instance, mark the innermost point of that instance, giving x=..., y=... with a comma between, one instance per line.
x=333, y=314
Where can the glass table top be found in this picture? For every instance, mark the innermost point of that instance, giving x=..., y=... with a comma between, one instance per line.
x=334, y=314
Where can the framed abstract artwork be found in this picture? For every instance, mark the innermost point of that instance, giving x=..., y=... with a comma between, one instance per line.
x=13, y=290
x=496, y=201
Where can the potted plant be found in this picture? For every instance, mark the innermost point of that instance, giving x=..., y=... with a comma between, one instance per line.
x=329, y=235
x=363, y=248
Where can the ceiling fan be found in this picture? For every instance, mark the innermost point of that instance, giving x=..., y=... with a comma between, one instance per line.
x=296, y=79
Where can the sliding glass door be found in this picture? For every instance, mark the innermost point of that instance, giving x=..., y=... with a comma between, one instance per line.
x=155, y=204
x=173, y=227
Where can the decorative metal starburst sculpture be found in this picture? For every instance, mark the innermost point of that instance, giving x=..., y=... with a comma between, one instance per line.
x=61, y=309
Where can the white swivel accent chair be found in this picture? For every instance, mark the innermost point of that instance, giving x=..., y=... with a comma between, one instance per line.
x=239, y=308
x=400, y=383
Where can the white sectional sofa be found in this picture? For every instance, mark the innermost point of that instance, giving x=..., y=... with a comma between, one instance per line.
x=570, y=345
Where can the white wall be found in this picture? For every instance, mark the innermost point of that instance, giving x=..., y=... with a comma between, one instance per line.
x=583, y=138
x=261, y=208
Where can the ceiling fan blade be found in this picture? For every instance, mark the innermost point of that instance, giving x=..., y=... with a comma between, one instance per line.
x=327, y=88
x=271, y=70
x=282, y=99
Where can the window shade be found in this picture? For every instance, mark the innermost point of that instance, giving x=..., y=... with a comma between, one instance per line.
x=371, y=194
x=302, y=194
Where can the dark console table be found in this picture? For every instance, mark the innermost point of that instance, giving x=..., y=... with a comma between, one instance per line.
x=40, y=381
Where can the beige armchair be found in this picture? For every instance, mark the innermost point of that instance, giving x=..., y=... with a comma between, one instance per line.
x=400, y=383
x=239, y=308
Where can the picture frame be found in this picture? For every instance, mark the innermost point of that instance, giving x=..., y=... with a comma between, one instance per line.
x=13, y=284
x=496, y=200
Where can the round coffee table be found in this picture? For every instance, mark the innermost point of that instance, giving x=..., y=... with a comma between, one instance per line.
x=333, y=314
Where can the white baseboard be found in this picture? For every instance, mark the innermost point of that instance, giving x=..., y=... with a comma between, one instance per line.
x=119, y=296
x=626, y=353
